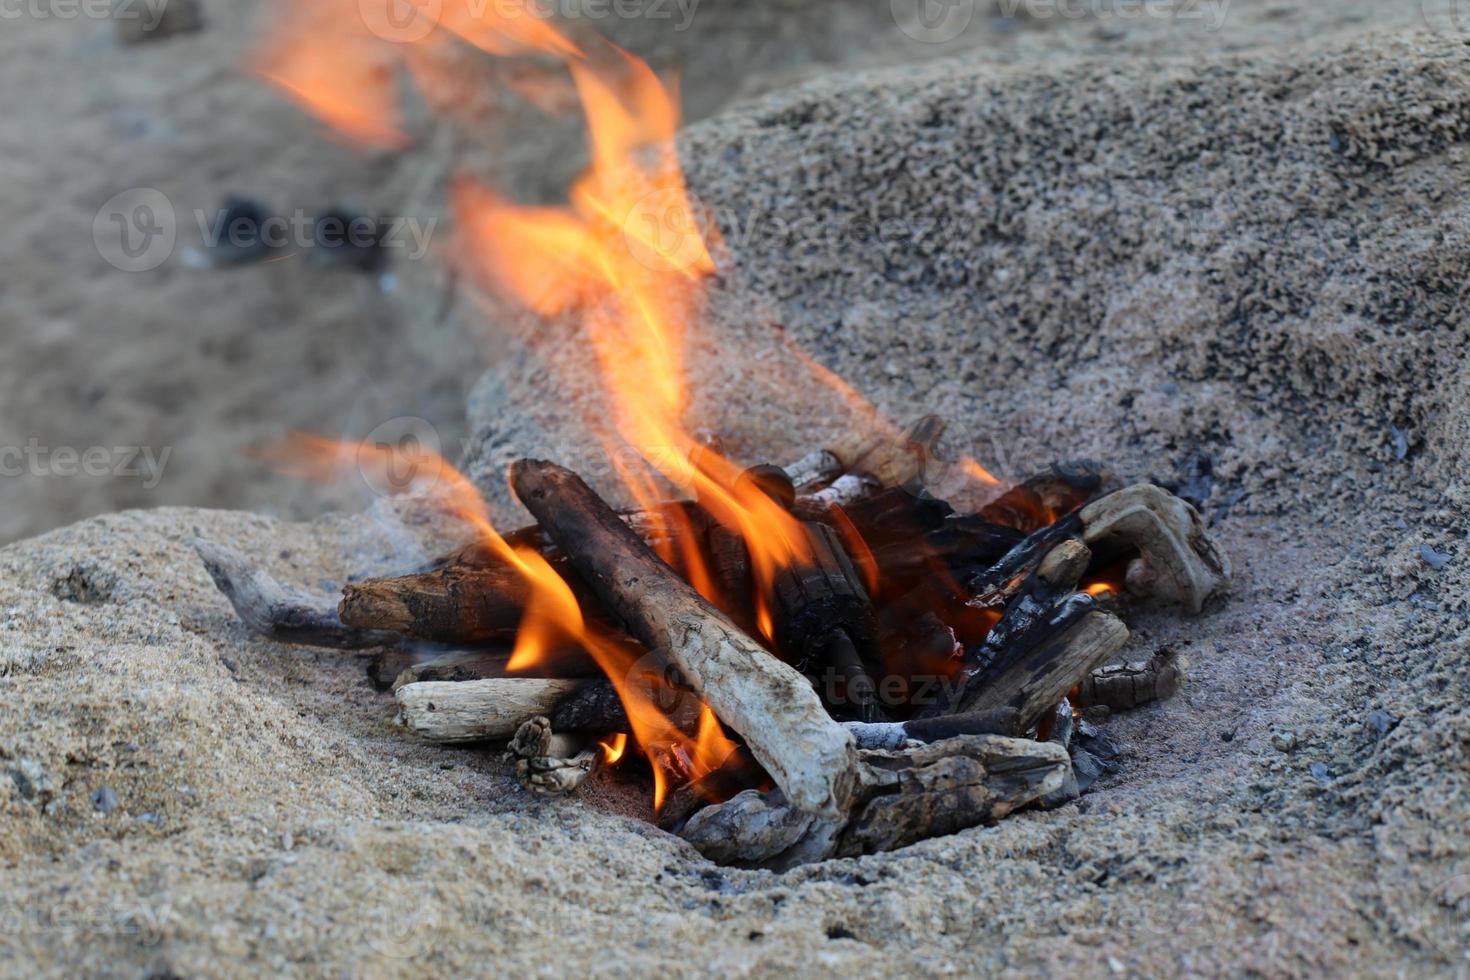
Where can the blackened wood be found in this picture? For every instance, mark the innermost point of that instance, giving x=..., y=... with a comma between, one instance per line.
x=1034, y=677
x=998, y=583
x=465, y=665
x=1122, y=687
x=596, y=709
x=283, y=612
x=809, y=755
x=824, y=623
x=738, y=772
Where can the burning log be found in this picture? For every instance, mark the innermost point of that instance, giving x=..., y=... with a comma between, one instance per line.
x=1042, y=499
x=596, y=709
x=824, y=618
x=1181, y=563
x=1123, y=687
x=477, y=711
x=901, y=797
x=282, y=612
x=809, y=755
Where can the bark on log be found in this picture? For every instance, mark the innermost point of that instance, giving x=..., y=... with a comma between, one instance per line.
x=809, y=756
x=283, y=612
x=902, y=797
x=477, y=711
x=455, y=603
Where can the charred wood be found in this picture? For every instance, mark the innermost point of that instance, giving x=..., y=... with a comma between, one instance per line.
x=1122, y=687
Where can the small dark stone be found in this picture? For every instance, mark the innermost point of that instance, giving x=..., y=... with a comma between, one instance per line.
x=1400, y=441
x=1436, y=560
x=230, y=665
x=839, y=932
x=1228, y=736
x=104, y=800
x=754, y=934
x=1381, y=721
x=1087, y=768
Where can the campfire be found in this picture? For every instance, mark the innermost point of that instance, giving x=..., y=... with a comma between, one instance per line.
x=816, y=659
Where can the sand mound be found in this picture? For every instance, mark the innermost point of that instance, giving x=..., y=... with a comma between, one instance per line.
x=1255, y=260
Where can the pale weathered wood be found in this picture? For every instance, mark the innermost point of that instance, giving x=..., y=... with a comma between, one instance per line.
x=282, y=612
x=476, y=711
x=810, y=756
x=902, y=797
x=1183, y=563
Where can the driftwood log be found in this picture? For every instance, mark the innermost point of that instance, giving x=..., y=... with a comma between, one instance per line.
x=452, y=712
x=283, y=612
x=809, y=756
x=901, y=797
x=1180, y=562
x=455, y=603
x=1032, y=677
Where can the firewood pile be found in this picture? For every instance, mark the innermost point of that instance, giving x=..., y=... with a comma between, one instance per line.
x=913, y=671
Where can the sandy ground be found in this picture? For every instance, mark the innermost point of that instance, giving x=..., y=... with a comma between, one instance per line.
x=1159, y=244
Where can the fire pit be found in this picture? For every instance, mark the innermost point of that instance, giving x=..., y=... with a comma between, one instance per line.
x=818, y=659
x=908, y=672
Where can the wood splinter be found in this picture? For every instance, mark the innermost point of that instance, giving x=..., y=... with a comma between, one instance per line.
x=1123, y=687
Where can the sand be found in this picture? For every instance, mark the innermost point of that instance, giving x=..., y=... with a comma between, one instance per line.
x=1220, y=247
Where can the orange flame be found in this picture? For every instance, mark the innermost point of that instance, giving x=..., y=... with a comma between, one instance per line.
x=613, y=748
x=552, y=616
